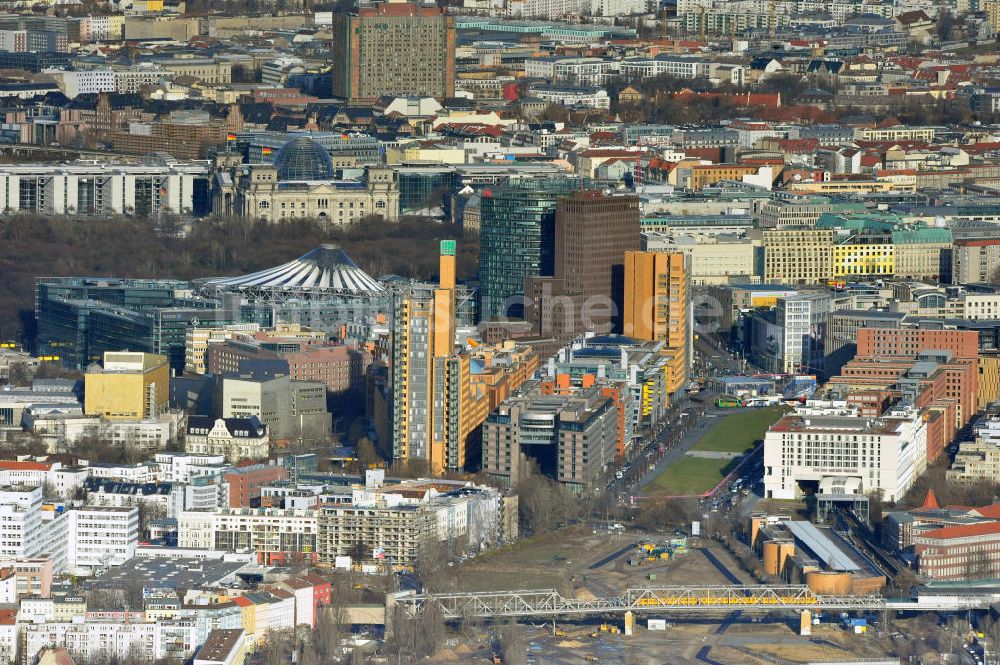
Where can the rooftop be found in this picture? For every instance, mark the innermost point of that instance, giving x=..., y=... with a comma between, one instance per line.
x=963, y=531
x=170, y=572
x=220, y=644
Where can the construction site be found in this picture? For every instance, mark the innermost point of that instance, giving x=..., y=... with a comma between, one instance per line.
x=585, y=597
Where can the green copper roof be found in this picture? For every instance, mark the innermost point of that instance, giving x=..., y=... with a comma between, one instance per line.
x=921, y=236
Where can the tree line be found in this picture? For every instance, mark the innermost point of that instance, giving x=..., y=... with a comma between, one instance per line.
x=34, y=246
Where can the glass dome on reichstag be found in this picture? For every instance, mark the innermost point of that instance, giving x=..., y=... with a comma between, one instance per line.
x=303, y=159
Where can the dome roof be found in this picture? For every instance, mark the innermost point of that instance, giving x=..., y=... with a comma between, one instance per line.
x=303, y=159
x=324, y=270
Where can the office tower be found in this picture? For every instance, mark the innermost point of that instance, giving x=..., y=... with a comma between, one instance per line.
x=592, y=233
x=130, y=386
x=517, y=239
x=432, y=394
x=656, y=307
x=790, y=338
x=393, y=48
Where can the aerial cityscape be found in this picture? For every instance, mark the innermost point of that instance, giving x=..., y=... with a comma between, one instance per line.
x=511, y=332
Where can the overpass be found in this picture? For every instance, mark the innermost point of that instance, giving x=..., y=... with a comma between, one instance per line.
x=540, y=603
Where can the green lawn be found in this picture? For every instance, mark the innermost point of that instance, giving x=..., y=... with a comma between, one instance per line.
x=692, y=475
x=736, y=433
x=740, y=431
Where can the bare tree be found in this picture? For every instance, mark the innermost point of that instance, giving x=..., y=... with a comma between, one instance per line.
x=149, y=512
x=278, y=647
x=20, y=374
x=656, y=514
x=415, y=637
x=512, y=644
x=546, y=505
x=328, y=633
x=432, y=564
x=978, y=565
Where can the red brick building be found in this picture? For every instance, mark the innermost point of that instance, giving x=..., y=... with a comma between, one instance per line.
x=909, y=342
x=340, y=368
x=967, y=552
x=945, y=387
x=245, y=483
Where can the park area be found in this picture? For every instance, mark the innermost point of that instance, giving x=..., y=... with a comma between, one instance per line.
x=741, y=431
x=717, y=453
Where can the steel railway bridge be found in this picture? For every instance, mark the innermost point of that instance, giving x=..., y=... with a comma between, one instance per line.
x=687, y=599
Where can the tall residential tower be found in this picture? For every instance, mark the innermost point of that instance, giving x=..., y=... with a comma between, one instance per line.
x=393, y=48
x=435, y=405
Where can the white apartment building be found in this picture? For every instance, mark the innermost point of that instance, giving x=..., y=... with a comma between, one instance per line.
x=27, y=531
x=899, y=133
x=206, y=493
x=882, y=453
x=713, y=260
x=130, y=81
x=617, y=7
x=172, y=467
x=196, y=530
x=547, y=9
x=83, y=82
x=978, y=306
x=8, y=640
x=975, y=461
x=266, y=530
x=170, y=496
x=67, y=480
x=278, y=614
x=95, y=640
x=101, y=536
x=149, y=435
x=27, y=472
x=839, y=10
x=111, y=189
x=779, y=214
x=588, y=97
x=669, y=65
x=584, y=71
x=55, y=538
x=132, y=473
x=21, y=530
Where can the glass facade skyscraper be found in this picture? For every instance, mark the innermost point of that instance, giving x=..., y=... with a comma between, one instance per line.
x=517, y=238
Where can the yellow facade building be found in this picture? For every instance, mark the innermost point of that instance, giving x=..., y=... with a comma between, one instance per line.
x=992, y=9
x=656, y=308
x=129, y=386
x=858, y=259
x=989, y=379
